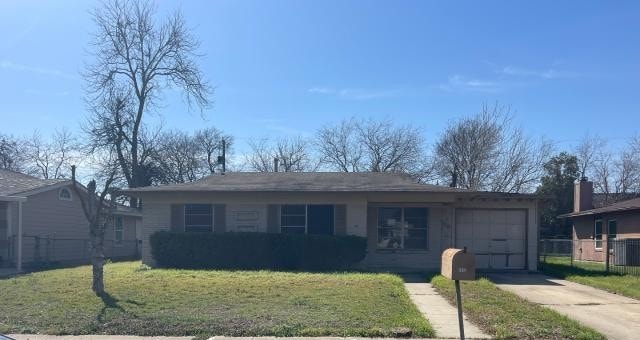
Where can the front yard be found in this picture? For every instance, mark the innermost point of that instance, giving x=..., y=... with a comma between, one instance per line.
x=507, y=316
x=207, y=303
x=592, y=274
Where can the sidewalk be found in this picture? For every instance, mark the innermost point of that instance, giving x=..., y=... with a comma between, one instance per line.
x=132, y=337
x=615, y=316
x=94, y=337
x=440, y=313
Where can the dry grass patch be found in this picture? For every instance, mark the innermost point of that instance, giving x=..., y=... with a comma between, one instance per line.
x=206, y=303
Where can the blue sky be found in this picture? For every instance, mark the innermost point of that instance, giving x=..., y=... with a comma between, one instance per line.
x=283, y=68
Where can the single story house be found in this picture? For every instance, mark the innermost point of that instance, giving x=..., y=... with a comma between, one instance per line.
x=593, y=226
x=41, y=220
x=407, y=224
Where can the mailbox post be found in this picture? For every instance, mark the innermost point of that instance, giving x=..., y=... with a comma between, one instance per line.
x=458, y=264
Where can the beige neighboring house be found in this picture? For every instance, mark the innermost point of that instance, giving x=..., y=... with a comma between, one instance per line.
x=407, y=225
x=41, y=221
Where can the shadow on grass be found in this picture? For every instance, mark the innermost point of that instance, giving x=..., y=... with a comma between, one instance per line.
x=109, y=302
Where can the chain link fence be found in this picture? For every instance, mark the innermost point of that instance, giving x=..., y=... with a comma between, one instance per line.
x=43, y=251
x=620, y=256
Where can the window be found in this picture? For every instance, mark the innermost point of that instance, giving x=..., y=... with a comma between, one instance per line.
x=293, y=219
x=402, y=228
x=64, y=194
x=118, y=229
x=612, y=229
x=198, y=217
x=597, y=234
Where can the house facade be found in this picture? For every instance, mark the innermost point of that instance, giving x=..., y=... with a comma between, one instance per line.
x=594, y=227
x=43, y=221
x=407, y=225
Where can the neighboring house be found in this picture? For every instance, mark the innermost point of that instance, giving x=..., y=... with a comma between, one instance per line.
x=407, y=225
x=43, y=221
x=592, y=227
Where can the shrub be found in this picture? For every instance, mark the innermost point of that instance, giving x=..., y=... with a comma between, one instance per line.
x=256, y=251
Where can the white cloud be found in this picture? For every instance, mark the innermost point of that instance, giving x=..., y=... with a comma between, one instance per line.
x=320, y=90
x=549, y=73
x=355, y=93
x=458, y=82
x=10, y=65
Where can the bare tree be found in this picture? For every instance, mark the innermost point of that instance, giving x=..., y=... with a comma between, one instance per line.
x=368, y=145
x=97, y=210
x=520, y=165
x=177, y=156
x=389, y=148
x=12, y=154
x=210, y=142
x=292, y=154
x=182, y=157
x=338, y=145
x=615, y=175
x=467, y=150
x=136, y=58
x=589, y=147
x=52, y=158
x=485, y=152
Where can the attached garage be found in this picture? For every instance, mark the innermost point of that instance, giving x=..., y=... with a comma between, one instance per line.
x=498, y=237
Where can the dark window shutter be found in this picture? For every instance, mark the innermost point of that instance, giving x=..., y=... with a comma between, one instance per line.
x=177, y=217
x=340, y=219
x=372, y=228
x=273, y=218
x=219, y=218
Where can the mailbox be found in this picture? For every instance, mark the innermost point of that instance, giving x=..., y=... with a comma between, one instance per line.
x=458, y=264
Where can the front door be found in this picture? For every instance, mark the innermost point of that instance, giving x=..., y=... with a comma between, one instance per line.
x=320, y=219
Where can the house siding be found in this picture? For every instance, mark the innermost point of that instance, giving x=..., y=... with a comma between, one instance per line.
x=628, y=225
x=57, y=230
x=157, y=217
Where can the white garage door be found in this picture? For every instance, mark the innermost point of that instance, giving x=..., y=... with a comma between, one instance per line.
x=496, y=236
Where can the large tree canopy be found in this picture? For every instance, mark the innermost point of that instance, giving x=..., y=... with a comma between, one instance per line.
x=486, y=152
x=136, y=57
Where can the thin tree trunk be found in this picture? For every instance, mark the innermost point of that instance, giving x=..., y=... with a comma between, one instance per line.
x=97, y=260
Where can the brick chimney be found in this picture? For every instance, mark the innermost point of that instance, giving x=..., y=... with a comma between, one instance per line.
x=582, y=195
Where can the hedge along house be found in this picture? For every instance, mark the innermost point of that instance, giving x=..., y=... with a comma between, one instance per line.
x=407, y=225
x=594, y=226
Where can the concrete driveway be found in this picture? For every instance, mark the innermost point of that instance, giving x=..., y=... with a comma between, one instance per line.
x=615, y=316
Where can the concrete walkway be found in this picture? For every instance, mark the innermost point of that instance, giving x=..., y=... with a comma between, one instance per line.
x=440, y=313
x=615, y=316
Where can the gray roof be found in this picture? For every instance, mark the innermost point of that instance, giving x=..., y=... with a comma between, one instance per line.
x=632, y=204
x=300, y=182
x=14, y=183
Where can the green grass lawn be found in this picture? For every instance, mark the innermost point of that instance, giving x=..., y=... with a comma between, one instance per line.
x=507, y=316
x=592, y=274
x=207, y=303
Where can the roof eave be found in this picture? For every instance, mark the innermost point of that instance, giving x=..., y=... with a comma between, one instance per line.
x=12, y=198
